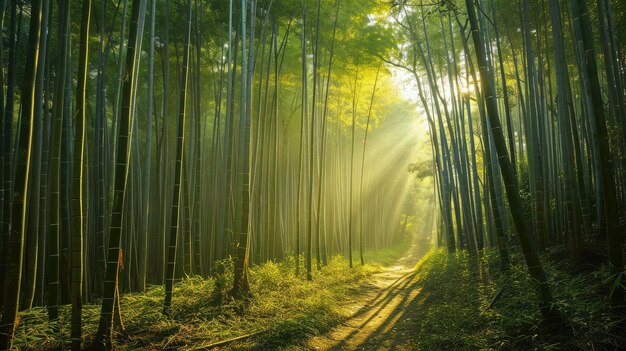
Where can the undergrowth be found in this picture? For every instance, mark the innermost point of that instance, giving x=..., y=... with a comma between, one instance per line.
x=458, y=310
x=385, y=256
x=283, y=309
x=454, y=308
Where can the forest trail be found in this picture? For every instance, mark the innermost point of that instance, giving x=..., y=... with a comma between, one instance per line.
x=390, y=297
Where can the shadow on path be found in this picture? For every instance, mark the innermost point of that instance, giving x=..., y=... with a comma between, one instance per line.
x=393, y=295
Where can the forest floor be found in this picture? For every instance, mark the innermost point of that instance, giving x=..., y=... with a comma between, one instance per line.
x=388, y=298
x=431, y=300
x=422, y=300
x=283, y=310
x=456, y=302
x=444, y=302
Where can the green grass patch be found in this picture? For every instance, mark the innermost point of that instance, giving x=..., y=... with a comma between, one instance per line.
x=284, y=310
x=384, y=257
x=453, y=313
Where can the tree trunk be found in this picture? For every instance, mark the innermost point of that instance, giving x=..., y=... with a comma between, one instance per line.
x=77, y=181
x=174, y=226
x=546, y=305
x=15, y=243
x=102, y=340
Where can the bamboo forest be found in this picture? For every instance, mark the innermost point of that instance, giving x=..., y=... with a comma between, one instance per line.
x=312, y=175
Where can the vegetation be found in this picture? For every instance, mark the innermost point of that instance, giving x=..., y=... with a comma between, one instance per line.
x=144, y=143
x=481, y=308
x=203, y=313
x=542, y=120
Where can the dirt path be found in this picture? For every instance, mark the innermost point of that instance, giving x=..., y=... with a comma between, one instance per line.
x=372, y=325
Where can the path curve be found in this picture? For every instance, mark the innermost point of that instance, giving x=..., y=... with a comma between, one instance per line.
x=390, y=297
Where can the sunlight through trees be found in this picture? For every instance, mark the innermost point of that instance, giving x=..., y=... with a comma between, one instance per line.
x=242, y=134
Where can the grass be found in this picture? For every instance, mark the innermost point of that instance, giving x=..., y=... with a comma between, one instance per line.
x=457, y=290
x=453, y=310
x=384, y=256
x=283, y=310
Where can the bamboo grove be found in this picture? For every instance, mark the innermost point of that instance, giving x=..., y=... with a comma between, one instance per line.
x=525, y=106
x=144, y=141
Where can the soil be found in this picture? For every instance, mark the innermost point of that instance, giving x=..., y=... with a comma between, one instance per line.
x=376, y=319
